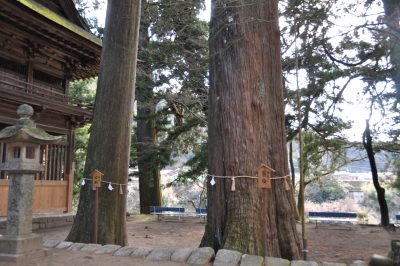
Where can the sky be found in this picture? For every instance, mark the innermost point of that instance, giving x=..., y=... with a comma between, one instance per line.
x=101, y=12
x=354, y=109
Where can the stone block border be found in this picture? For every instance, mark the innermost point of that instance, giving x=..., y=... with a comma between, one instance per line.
x=41, y=221
x=190, y=256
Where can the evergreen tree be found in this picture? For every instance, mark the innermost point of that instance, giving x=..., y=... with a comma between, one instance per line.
x=109, y=144
x=172, y=78
x=246, y=128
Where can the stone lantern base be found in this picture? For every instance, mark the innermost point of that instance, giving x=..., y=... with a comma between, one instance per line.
x=19, y=248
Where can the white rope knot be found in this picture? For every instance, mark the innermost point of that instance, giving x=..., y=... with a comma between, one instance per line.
x=233, y=188
x=287, y=186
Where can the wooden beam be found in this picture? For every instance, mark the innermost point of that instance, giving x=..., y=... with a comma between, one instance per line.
x=46, y=163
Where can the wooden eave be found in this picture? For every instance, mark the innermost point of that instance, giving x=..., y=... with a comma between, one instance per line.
x=65, y=8
x=66, y=37
x=45, y=104
x=57, y=19
x=73, y=14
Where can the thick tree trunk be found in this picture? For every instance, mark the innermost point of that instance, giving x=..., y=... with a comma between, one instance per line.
x=246, y=129
x=380, y=191
x=109, y=144
x=149, y=171
x=392, y=20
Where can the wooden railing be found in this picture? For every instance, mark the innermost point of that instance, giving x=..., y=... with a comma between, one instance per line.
x=52, y=187
x=14, y=83
x=52, y=157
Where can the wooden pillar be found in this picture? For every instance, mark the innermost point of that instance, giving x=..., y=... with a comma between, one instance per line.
x=46, y=163
x=3, y=147
x=66, y=80
x=51, y=162
x=1, y=158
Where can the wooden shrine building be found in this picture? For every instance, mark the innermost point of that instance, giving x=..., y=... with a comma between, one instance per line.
x=45, y=44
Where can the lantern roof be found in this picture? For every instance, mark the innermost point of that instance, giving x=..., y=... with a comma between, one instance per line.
x=25, y=129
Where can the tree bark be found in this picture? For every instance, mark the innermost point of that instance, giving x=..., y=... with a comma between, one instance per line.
x=392, y=20
x=149, y=170
x=300, y=199
x=380, y=191
x=109, y=143
x=292, y=172
x=246, y=129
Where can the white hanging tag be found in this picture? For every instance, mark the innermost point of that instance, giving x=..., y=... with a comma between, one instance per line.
x=83, y=182
x=110, y=187
x=120, y=189
x=233, y=188
x=287, y=186
x=212, y=182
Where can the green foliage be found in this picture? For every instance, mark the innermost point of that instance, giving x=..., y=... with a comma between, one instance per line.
x=304, y=58
x=396, y=165
x=86, y=9
x=392, y=197
x=198, y=163
x=362, y=217
x=329, y=61
x=177, y=56
x=81, y=142
x=81, y=94
x=324, y=190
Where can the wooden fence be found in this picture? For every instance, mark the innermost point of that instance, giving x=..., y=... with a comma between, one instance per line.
x=52, y=187
x=48, y=196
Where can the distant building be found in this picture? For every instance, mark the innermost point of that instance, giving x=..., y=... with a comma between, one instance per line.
x=354, y=182
x=357, y=196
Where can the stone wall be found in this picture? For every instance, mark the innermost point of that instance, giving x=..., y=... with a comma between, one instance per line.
x=45, y=221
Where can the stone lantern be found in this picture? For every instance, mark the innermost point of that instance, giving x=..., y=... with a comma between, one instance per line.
x=22, y=163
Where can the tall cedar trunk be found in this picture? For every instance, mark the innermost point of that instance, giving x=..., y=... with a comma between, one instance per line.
x=292, y=172
x=149, y=171
x=246, y=128
x=109, y=144
x=380, y=191
x=392, y=20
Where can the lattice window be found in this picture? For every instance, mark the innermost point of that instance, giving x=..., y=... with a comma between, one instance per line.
x=30, y=152
x=47, y=79
x=13, y=67
x=17, y=152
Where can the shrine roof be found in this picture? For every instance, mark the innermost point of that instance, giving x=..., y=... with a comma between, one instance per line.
x=77, y=26
x=25, y=129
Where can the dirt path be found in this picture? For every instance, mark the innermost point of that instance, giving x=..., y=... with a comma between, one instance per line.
x=327, y=242
x=345, y=243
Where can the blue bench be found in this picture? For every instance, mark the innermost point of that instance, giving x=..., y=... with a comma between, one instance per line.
x=202, y=213
x=344, y=217
x=397, y=218
x=159, y=211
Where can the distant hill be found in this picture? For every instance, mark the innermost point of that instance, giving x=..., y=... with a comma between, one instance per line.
x=382, y=159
